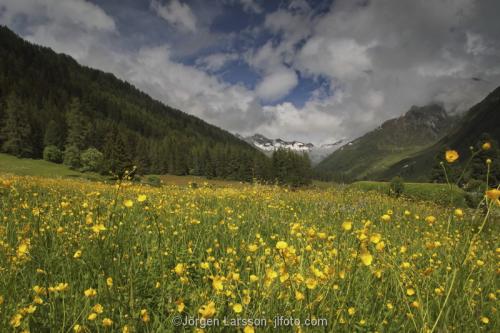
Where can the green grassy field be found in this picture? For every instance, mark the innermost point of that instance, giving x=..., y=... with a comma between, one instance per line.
x=80, y=256
x=30, y=167
x=439, y=193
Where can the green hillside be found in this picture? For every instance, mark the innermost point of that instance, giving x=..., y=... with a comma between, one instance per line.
x=30, y=167
x=482, y=120
x=442, y=194
x=379, y=149
x=48, y=99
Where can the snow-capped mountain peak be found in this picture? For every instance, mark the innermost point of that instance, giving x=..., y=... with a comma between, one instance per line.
x=316, y=152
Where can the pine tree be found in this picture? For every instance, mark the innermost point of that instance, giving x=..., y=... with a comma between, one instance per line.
x=78, y=125
x=116, y=157
x=16, y=131
x=53, y=135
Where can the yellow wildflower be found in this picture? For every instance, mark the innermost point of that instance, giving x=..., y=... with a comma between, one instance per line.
x=106, y=322
x=451, y=156
x=311, y=283
x=248, y=329
x=144, y=315
x=208, y=310
x=180, y=269
x=237, y=308
x=281, y=245
x=347, y=225
x=77, y=254
x=15, y=321
x=90, y=292
x=98, y=308
x=366, y=257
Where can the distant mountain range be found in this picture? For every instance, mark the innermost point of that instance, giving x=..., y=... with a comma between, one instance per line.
x=394, y=140
x=315, y=152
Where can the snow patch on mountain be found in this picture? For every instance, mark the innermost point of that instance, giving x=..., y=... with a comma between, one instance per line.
x=316, y=152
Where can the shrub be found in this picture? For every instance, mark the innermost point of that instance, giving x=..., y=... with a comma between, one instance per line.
x=153, y=181
x=72, y=157
x=52, y=154
x=396, y=187
x=91, y=160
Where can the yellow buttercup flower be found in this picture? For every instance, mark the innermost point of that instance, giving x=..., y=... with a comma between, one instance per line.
x=486, y=146
x=90, y=292
x=92, y=316
x=248, y=329
x=208, y=310
x=23, y=248
x=109, y=282
x=180, y=306
x=77, y=254
x=237, y=308
x=141, y=197
x=144, y=315
x=386, y=218
x=375, y=238
x=494, y=195
x=299, y=296
x=451, y=156
x=106, y=322
x=366, y=257
x=98, y=308
x=347, y=225
x=15, y=321
x=128, y=203
x=217, y=283
x=311, y=283
x=281, y=245
x=380, y=246
x=179, y=269
x=97, y=228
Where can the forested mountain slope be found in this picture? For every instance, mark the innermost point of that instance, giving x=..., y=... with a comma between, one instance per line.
x=48, y=99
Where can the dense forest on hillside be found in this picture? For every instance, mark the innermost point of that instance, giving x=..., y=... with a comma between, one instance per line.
x=51, y=107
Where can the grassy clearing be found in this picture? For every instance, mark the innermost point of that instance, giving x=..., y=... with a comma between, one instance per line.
x=30, y=167
x=39, y=168
x=90, y=257
x=439, y=193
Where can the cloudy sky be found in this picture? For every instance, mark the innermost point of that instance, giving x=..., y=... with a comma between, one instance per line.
x=307, y=70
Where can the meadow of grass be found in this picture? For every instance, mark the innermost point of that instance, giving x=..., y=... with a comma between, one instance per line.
x=79, y=256
x=32, y=167
x=443, y=194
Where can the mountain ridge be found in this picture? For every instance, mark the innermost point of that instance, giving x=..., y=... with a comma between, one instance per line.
x=392, y=141
x=482, y=118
